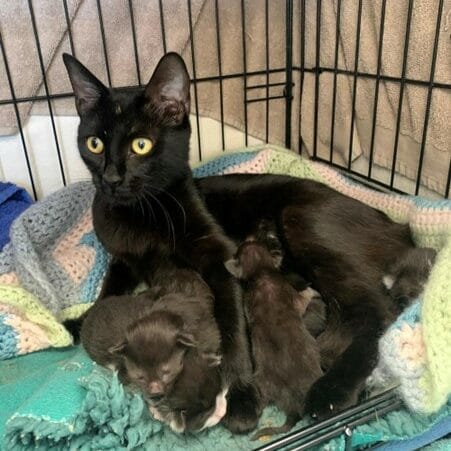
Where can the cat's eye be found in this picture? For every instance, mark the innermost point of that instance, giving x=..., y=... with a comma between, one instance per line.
x=142, y=146
x=94, y=144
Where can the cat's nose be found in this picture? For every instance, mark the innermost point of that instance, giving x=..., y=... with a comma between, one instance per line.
x=111, y=177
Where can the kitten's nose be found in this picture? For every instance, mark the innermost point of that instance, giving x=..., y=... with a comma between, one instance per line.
x=155, y=389
x=111, y=176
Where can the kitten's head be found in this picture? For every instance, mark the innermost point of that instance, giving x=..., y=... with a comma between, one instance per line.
x=250, y=258
x=198, y=399
x=137, y=141
x=153, y=352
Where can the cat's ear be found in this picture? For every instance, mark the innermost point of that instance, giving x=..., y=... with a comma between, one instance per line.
x=167, y=92
x=186, y=339
x=234, y=268
x=87, y=88
x=118, y=348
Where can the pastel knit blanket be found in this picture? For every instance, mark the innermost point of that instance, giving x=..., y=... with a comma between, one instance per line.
x=53, y=267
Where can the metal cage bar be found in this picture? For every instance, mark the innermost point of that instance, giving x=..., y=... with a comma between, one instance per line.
x=46, y=88
x=354, y=86
x=429, y=96
x=193, y=60
x=243, y=36
x=19, y=121
x=376, y=88
x=334, y=88
x=317, y=71
x=401, y=91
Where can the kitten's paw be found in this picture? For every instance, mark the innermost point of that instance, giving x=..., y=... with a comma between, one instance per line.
x=243, y=409
x=327, y=397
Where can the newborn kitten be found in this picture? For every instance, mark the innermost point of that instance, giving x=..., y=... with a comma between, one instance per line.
x=197, y=399
x=406, y=278
x=287, y=358
x=314, y=315
x=146, y=337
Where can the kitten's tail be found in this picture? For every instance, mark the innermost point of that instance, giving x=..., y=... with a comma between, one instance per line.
x=291, y=420
x=73, y=326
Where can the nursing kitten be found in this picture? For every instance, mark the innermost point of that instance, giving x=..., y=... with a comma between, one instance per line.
x=314, y=316
x=147, y=337
x=406, y=277
x=286, y=356
x=147, y=212
x=197, y=399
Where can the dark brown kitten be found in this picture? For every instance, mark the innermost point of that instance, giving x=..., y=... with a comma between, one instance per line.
x=197, y=399
x=286, y=356
x=314, y=316
x=147, y=337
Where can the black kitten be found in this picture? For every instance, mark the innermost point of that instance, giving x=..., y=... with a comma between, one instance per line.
x=286, y=356
x=147, y=212
x=406, y=277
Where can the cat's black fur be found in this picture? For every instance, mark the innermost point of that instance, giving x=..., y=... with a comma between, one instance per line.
x=343, y=247
x=147, y=212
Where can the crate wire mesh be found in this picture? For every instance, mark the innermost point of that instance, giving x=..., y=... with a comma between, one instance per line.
x=280, y=97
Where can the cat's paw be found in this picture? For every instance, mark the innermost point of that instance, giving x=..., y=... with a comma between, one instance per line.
x=243, y=409
x=328, y=397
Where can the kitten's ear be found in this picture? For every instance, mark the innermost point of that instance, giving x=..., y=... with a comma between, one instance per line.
x=87, y=88
x=212, y=358
x=234, y=268
x=277, y=258
x=168, y=90
x=118, y=348
x=186, y=339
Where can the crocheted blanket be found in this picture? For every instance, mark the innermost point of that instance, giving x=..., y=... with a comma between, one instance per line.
x=53, y=267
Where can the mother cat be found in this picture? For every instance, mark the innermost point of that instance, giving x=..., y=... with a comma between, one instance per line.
x=148, y=212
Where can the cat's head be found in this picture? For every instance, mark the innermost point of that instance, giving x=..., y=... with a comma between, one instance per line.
x=133, y=141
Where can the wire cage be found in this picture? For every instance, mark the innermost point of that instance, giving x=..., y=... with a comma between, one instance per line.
x=362, y=85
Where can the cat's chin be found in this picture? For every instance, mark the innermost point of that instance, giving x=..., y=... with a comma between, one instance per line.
x=118, y=199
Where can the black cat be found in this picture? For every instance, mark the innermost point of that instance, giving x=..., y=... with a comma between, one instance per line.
x=147, y=212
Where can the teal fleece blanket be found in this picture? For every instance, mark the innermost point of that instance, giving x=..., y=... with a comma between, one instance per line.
x=60, y=400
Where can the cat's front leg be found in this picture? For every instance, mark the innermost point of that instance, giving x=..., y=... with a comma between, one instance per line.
x=207, y=256
x=118, y=280
x=341, y=385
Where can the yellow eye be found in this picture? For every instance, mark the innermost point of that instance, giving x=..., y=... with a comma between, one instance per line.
x=95, y=145
x=142, y=146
